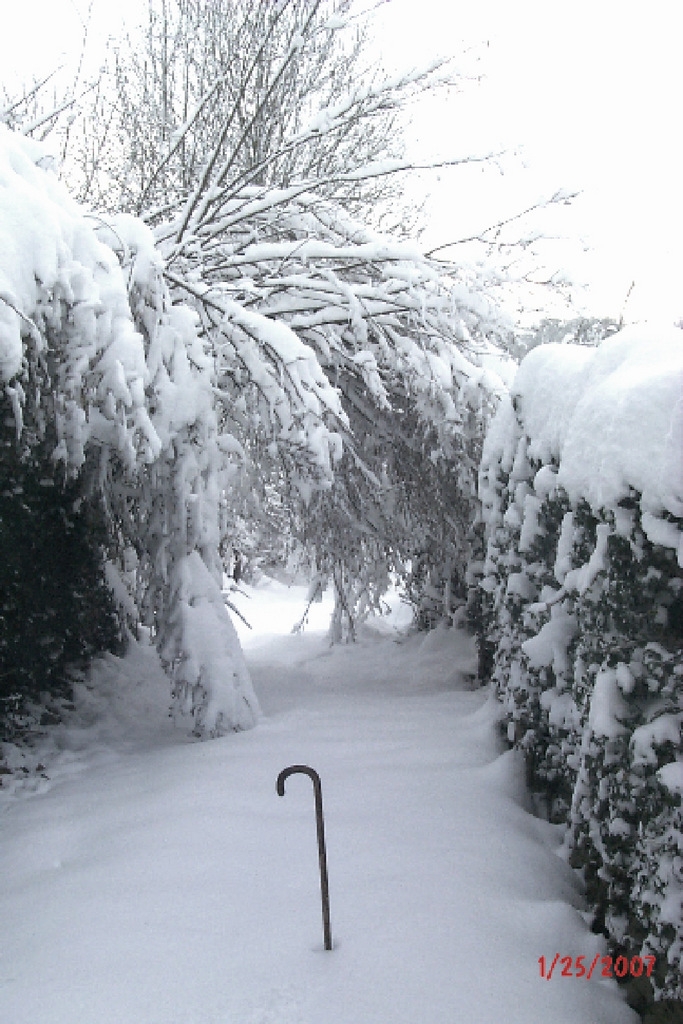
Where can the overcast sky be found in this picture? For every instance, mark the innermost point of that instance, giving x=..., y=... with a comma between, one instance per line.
x=589, y=94
x=592, y=93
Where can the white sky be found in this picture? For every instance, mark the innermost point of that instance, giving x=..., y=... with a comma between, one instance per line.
x=592, y=91
x=589, y=92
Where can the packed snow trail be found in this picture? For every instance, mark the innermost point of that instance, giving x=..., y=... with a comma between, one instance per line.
x=154, y=880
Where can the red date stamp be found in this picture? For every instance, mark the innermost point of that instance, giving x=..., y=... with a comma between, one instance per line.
x=599, y=966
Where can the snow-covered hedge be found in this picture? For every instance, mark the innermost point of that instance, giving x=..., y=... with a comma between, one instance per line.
x=114, y=384
x=582, y=490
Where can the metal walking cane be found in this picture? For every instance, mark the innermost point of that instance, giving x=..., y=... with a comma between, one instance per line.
x=320, y=826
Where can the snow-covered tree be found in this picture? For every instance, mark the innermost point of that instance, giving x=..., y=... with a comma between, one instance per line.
x=275, y=350
x=270, y=93
x=581, y=330
x=303, y=322
x=346, y=362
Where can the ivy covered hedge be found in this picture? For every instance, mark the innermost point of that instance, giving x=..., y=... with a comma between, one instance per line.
x=581, y=607
x=56, y=610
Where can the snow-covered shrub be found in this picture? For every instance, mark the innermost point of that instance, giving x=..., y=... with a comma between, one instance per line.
x=582, y=594
x=111, y=388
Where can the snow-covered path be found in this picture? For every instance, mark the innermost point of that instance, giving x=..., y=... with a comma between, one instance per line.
x=168, y=884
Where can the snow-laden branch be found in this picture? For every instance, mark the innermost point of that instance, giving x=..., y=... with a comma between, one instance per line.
x=491, y=235
x=179, y=136
x=27, y=128
x=203, y=193
x=27, y=96
x=214, y=190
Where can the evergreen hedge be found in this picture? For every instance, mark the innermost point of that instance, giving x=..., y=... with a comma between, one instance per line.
x=581, y=619
x=56, y=611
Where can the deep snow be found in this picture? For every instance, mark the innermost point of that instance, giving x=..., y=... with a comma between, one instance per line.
x=152, y=879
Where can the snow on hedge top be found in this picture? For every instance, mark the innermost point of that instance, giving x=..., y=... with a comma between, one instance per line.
x=610, y=419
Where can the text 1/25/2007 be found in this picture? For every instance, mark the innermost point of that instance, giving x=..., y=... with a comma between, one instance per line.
x=610, y=967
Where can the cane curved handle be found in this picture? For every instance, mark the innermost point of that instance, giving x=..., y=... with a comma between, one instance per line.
x=297, y=769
